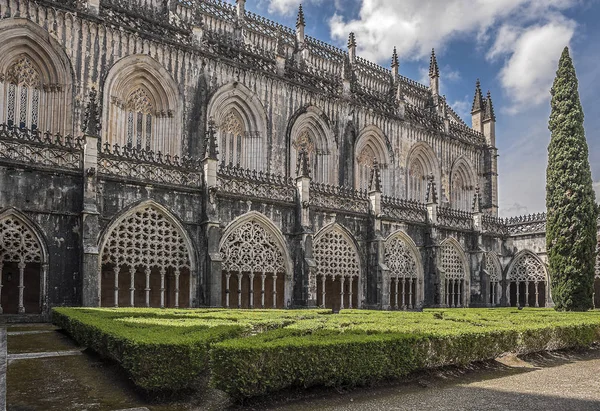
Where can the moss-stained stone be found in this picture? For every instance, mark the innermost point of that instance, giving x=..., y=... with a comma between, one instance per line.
x=45, y=342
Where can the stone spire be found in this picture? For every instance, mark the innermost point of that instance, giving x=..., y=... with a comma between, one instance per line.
x=300, y=26
x=303, y=164
x=210, y=142
x=375, y=180
x=434, y=74
x=395, y=64
x=352, y=47
x=91, y=117
x=240, y=8
x=477, y=201
x=477, y=99
x=431, y=196
x=489, y=108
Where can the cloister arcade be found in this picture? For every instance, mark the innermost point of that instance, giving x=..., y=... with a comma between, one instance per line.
x=455, y=274
x=146, y=253
x=338, y=269
x=527, y=281
x=406, y=272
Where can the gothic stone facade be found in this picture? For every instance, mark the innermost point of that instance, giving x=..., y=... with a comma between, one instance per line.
x=239, y=163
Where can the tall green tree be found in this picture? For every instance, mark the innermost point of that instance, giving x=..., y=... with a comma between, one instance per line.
x=570, y=198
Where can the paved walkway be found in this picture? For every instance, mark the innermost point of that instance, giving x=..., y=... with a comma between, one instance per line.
x=545, y=382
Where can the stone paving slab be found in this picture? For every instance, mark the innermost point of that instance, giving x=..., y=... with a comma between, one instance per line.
x=29, y=332
x=32, y=356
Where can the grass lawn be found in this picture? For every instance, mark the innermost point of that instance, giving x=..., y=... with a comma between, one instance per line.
x=253, y=352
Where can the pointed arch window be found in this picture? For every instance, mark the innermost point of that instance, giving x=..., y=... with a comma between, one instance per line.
x=366, y=159
x=240, y=147
x=139, y=120
x=318, y=157
x=22, y=93
x=417, y=181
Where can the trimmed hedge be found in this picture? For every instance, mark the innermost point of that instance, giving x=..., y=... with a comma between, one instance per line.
x=253, y=353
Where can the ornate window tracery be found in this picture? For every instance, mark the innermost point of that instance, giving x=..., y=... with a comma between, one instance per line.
x=495, y=276
x=337, y=258
x=526, y=274
x=455, y=275
x=253, y=259
x=19, y=250
x=146, y=242
x=366, y=159
x=140, y=112
x=462, y=188
x=22, y=94
x=417, y=181
x=404, y=274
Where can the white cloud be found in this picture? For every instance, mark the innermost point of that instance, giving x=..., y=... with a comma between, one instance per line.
x=287, y=7
x=528, y=34
x=528, y=73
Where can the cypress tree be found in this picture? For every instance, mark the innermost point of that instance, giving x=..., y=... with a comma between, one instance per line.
x=570, y=198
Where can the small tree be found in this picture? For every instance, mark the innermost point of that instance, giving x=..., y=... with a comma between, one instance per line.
x=570, y=198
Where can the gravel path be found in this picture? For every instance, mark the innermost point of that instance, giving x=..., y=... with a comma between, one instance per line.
x=548, y=382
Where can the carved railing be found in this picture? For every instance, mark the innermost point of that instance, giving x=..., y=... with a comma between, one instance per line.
x=403, y=210
x=527, y=224
x=143, y=165
x=245, y=183
x=456, y=219
x=33, y=147
x=493, y=225
x=338, y=198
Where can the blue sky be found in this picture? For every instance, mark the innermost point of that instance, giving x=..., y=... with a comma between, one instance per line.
x=513, y=46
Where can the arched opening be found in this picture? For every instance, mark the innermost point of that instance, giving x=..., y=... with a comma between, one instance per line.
x=312, y=134
x=241, y=124
x=22, y=266
x=494, y=272
x=146, y=261
x=338, y=269
x=462, y=186
x=371, y=148
x=406, y=272
x=421, y=164
x=455, y=275
x=255, y=264
x=36, y=86
x=141, y=102
x=527, y=284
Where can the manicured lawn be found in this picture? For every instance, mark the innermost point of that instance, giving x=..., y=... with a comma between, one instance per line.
x=250, y=353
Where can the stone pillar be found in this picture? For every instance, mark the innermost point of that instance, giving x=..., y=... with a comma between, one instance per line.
x=435, y=284
x=93, y=7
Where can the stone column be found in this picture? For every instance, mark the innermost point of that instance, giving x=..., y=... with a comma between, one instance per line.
x=1, y=267
x=147, y=289
x=21, y=309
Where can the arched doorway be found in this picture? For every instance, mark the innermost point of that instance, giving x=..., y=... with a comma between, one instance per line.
x=255, y=264
x=23, y=266
x=406, y=272
x=338, y=269
x=146, y=254
x=527, y=284
x=455, y=275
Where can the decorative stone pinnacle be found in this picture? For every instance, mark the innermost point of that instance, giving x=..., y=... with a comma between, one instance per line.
x=477, y=99
x=375, y=180
x=477, y=201
x=91, y=118
x=303, y=164
x=489, y=108
x=395, y=62
x=351, y=41
x=300, y=21
x=210, y=142
x=431, y=196
x=434, y=70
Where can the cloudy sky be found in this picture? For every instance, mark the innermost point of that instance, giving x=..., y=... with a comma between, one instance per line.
x=513, y=46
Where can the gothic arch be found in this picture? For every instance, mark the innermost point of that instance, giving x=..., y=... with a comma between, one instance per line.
x=142, y=106
x=372, y=146
x=337, y=258
x=420, y=163
x=255, y=256
x=242, y=123
x=493, y=270
x=406, y=271
x=462, y=184
x=147, y=242
x=23, y=251
x=36, y=79
x=310, y=130
x=524, y=275
x=455, y=274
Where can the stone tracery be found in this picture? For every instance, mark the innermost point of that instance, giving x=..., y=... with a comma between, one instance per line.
x=405, y=273
x=526, y=274
x=252, y=255
x=337, y=258
x=145, y=241
x=20, y=250
x=454, y=275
